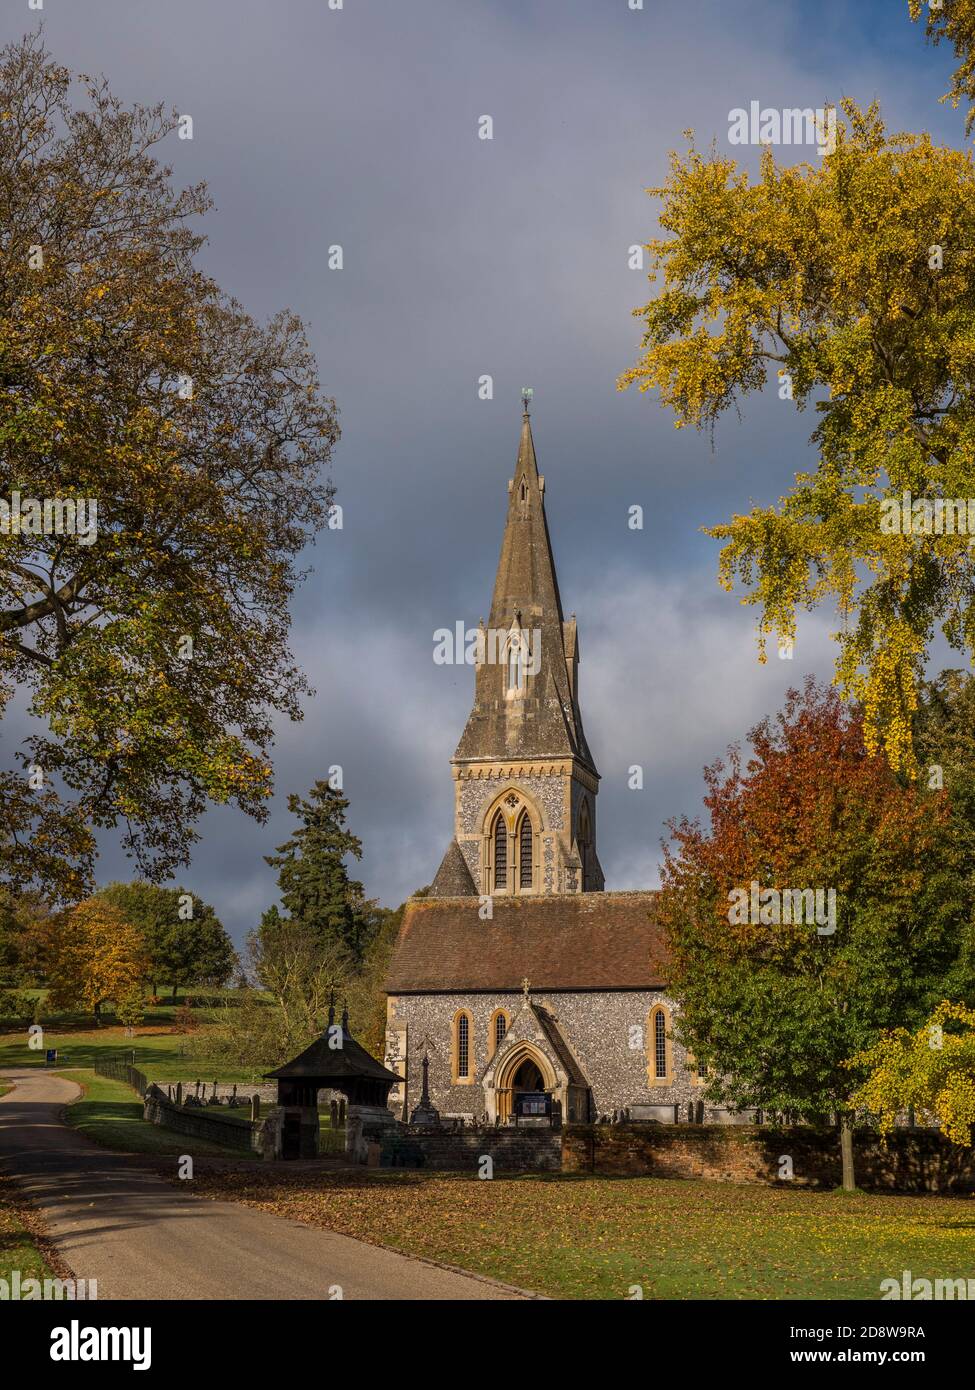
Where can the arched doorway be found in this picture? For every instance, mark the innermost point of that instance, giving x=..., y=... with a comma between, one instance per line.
x=526, y=1069
x=528, y=1077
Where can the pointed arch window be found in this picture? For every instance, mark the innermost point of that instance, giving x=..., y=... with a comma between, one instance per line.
x=659, y=1045
x=660, y=1056
x=526, y=841
x=500, y=851
x=497, y=1030
x=462, y=1047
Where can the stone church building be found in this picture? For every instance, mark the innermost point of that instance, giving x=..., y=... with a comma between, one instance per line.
x=517, y=972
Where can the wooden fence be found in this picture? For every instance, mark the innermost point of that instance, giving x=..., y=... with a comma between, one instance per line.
x=118, y=1069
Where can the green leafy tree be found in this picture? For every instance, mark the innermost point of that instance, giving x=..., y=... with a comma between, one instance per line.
x=153, y=644
x=181, y=949
x=944, y=737
x=302, y=974
x=22, y=919
x=315, y=887
x=367, y=988
x=772, y=1003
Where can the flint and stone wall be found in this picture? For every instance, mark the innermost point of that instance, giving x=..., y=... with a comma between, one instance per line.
x=158, y=1110
x=596, y=1026
x=510, y=1150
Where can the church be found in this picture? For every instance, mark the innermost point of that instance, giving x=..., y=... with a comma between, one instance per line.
x=517, y=975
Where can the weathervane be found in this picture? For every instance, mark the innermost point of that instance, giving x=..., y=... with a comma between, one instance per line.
x=526, y=398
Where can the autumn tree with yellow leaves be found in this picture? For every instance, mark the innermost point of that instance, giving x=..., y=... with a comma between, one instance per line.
x=153, y=649
x=954, y=21
x=931, y=1071
x=849, y=286
x=93, y=955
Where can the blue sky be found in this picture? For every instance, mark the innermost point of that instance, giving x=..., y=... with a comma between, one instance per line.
x=508, y=257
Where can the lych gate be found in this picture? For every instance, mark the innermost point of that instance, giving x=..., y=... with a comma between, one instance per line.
x=335, y=1061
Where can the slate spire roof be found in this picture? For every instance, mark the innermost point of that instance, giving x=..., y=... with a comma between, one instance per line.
x=526, y=570
x=453, y=878
x=546, y=722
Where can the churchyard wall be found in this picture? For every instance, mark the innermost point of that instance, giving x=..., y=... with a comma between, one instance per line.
x=911, y=1161
x=158, y=1110
x=510, y=1150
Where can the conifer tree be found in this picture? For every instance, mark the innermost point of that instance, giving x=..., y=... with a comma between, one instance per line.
x=316, y=890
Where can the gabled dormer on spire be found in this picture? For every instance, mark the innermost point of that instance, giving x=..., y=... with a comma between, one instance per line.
x=525, y=779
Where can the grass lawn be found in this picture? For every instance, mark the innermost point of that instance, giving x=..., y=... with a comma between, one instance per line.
x=5, y=1086
x=240, y=1116
x=159, y=1052
x=110, y=1113
x=594, y=1237
x=18, y=1248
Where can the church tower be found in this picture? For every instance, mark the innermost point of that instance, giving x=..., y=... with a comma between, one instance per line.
x=525, y=782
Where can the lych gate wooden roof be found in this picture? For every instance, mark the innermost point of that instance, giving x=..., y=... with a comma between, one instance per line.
x=328, y=1064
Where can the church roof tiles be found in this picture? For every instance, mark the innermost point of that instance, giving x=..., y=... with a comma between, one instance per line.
x=576, y=941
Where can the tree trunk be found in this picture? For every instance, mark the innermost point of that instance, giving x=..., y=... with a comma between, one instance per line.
x=175, y=988
x=846, y=1150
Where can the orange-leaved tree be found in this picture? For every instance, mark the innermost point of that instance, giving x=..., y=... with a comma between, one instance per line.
x=92, y=955
x=825, y=902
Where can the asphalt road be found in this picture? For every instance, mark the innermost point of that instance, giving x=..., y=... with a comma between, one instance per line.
x=142, y=1238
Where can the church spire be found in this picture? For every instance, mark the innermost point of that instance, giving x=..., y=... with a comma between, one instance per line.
x=526, y=580
x=528, y=710
x=525, y=781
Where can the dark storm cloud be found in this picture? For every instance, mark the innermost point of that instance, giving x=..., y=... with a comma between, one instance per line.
x=463, y=257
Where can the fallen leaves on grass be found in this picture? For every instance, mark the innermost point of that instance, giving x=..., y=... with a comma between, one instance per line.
x=592, y=1237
